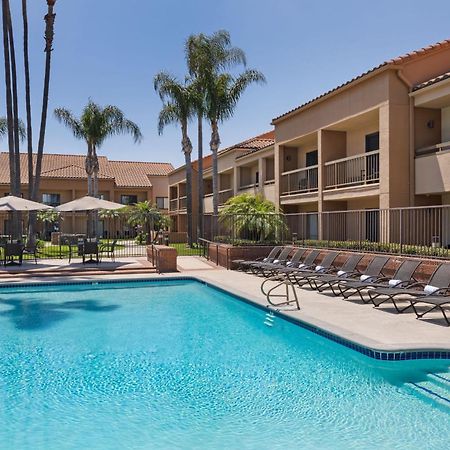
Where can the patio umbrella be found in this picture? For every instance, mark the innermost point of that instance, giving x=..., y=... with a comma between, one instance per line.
x=12, y=203
x=88, y=203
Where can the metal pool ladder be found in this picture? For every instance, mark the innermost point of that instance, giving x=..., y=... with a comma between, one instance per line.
x=284, y=289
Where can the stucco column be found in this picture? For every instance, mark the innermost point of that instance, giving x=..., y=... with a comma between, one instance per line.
x=384, y=118
x=278, y=167
x=235, y=180
x=262, y=174
x=320, y=184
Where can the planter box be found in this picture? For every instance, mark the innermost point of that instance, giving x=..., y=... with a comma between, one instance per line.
x=163, y=258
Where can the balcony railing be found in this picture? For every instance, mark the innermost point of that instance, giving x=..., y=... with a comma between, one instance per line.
x=183, y=202
x=173, y=204
x=224, y=195
x=299, y=181
x=353, y=171
x=442, y=147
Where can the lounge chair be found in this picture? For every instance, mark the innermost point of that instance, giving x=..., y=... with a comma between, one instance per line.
x=245, y=265
x=401, y=278
x=321, y=281
x=282, y=259
x=438, y=282
x=271, y=269
x=437, y=302
x=307, y=273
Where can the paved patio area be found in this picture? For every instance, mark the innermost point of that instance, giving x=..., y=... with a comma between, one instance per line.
x=375, y=328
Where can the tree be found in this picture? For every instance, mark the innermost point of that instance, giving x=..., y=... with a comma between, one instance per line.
x=94, y=126
x=252, y=217
x=222, y=97
x=178, y=108
x=145, y=215
x=4, y=129
x=205, y=56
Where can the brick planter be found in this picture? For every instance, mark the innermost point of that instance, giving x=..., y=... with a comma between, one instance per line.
x=163, y=258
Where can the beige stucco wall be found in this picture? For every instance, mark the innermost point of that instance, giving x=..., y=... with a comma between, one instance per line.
x=425, y=136
x=445, y=128
x=433, y=173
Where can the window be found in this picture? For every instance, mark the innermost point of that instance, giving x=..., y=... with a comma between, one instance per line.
x=162, y=202
x=312, y=158
x=372, y=142
x=51, y=199
x=128, y=199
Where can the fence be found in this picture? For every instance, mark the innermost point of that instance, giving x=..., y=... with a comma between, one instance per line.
x=405, y=231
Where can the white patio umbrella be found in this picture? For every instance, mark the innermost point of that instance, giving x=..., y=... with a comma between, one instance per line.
x=12, y=203
x=88, y=203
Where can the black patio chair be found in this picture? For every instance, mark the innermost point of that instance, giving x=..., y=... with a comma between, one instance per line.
x=90, y=249
x=108, y=250
x=32, y=250
x=13, y=250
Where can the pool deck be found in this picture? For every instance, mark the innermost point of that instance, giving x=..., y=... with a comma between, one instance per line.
x=379, y=329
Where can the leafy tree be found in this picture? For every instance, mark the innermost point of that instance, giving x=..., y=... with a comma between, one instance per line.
x=94, y=126
x=252, y=217
x=144, y=215
x=178, y=107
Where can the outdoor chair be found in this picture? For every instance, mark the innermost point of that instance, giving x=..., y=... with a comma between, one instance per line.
x=245, y=265
x=373, y=272
x=437, y=285
x=322, y=282
x=12, y=250
x=269, y=269
x=283, y=258
x=90, y=249
x=108, y=250
x=306, y=273
x=68, y=241
x=32, y=250
x=402, y=277
x=437, y=302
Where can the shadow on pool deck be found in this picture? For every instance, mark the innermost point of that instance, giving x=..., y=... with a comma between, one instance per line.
x=37, y=314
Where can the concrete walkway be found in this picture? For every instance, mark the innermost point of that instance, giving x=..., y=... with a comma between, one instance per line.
x=380, y=329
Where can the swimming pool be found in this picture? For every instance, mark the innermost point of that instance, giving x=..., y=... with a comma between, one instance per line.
x=182, y=365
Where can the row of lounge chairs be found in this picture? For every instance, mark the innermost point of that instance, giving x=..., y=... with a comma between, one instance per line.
x=299, y=267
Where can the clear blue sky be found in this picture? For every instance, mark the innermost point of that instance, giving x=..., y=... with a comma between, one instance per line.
x=109, y=50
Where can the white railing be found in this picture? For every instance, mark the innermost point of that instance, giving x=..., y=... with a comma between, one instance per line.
x=442, y=147
x=353, y=171
x=299, y=180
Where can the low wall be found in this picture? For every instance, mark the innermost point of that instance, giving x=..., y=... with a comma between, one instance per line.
x=224, y=255
x=177, y=237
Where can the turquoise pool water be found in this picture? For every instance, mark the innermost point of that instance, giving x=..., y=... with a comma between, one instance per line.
x=181, y=365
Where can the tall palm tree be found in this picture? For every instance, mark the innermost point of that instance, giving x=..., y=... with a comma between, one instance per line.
x=178, y=107
x=28, y=98
x=222, y=97
x=4, y=129
x=205, y=56
x=49, y=36
x=94, y=126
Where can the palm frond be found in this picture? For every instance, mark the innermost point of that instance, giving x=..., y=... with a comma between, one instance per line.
x=70, y=121
x=168, y=115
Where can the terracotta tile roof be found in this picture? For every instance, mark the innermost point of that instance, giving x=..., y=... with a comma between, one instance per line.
x=123, y=173
x=248, y=146
x=435, y=80
x=392, y=62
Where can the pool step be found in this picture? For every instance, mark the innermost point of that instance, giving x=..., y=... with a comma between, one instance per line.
x=436, y=388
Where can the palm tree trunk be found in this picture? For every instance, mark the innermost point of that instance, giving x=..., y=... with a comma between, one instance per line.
x=187, y=150
x=200, y=176
x=49, y=34
x=214, y=145
x=27, y=97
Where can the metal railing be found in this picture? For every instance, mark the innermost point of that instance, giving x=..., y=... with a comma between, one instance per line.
x=420, y=231
x=353, y=171
x=225, y=195
x=442, y=147
x=299, y=180
x=173, y=204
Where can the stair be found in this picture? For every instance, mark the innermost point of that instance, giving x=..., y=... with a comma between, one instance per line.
x=435, y=389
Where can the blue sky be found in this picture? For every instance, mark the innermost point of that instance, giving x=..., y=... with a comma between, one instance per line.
x=109, y=50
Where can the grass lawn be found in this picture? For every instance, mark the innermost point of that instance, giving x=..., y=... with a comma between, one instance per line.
x=184, y=250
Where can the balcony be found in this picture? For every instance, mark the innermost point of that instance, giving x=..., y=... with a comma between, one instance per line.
x=224, y=195
x=173, y=204
x=183, y=202
x=359, y=170
x=433, y=169
x=299, y=181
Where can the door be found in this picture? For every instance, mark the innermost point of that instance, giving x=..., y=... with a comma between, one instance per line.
x=373, y=226
x=372, y=161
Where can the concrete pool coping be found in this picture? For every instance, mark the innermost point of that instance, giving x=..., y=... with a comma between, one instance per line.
x=359, y=324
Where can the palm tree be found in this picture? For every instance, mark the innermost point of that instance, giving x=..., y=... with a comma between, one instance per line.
x=205, y=56
x=178, y=100
x=4, y=129
x=223, y=94
x=49, y=36
x=145, y=215
x=94, y=126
